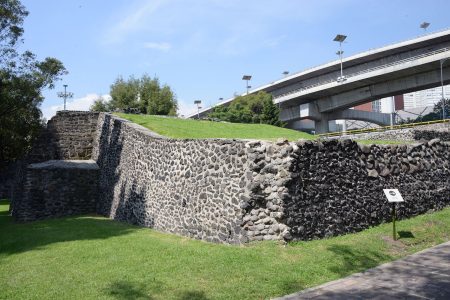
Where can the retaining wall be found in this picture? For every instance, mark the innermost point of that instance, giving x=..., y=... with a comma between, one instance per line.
x=235, y=191
x=188, y=187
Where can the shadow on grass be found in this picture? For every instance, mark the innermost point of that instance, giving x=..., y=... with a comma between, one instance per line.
x=354, y=260
x=128, y=291
x=124, y=290
x=21, y=237
x=406, y=235
x=193, y=295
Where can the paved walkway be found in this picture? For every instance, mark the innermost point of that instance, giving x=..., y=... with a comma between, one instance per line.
x=424, y=275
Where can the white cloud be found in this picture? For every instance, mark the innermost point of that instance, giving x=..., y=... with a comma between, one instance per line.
x=158, y=46
x=133, y=21
x=83, y=104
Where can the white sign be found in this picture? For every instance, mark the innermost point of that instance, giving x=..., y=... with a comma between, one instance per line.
x=393, y=195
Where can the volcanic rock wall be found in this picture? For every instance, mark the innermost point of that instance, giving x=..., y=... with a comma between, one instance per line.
x=68, y=136
x=336, y=187
x=58, y=188
x=230, y=191
x=188, y=187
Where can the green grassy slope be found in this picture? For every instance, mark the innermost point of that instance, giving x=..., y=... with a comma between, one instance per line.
x=187, y=128
x=90, y=257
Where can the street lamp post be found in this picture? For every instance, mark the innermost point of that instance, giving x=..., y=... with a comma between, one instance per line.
x=424, y=26
x=442, y=87
x=65, y=95
x=247, y=78
x=340, y=38
x=198, y=102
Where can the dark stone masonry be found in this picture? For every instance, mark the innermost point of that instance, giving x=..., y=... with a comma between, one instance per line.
x=230, y=191
x=58, y=188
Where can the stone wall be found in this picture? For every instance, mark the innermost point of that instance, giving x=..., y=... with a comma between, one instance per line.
x=58, y=188
x=233, y=191
x=237, y=191
x=337, y=187
x=188, y=187
x=68, y=135
x=423, y=132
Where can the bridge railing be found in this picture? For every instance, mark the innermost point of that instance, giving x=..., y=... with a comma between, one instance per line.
x=381, y=129
x=402, y=61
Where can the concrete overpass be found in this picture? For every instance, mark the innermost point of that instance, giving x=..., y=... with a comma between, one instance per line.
x=317, y=94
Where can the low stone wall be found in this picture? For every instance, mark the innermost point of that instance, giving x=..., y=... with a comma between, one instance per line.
x=432, y=134
x=336, y=187
x=423, y=132
x=68, y=135
x=58, y=188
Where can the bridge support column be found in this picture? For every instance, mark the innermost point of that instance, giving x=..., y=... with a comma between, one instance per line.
x=321, y=125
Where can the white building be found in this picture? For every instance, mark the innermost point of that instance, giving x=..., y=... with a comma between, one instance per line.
x=426, y=97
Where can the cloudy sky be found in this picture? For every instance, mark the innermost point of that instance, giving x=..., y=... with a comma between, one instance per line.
x=201, y=48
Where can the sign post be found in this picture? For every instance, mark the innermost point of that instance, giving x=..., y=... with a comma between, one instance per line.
x=393, y=196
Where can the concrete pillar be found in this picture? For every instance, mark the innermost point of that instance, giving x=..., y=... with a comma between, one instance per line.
x=321, y=126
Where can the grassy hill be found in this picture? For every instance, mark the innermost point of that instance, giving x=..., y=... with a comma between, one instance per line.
x=187, y=128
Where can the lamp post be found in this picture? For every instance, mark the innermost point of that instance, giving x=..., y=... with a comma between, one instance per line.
x=424, y=26
x=442, y=87
x=65, y=95
x=247, y=78
x=198, y=102
x=340, y=38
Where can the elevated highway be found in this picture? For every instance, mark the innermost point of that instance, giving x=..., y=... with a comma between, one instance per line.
x=317, y=94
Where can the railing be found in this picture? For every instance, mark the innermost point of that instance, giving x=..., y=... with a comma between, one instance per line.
x=402, y=61
x=381, y=129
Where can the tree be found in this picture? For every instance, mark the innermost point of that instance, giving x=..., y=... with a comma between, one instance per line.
x=253, y=108
x=100, y=105
x=145, y=95
x=270, y=113
x=125, y=94
x=22, y=79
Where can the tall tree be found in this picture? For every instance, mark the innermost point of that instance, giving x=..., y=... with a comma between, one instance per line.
x=125, y=94
x=270, y=113
x=145, y=95
x=22, y=79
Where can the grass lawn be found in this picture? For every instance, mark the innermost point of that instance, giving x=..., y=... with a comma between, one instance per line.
x=90, y=257
x=193, y=129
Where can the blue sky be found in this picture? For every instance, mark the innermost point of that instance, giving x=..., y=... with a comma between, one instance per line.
x=202, y=48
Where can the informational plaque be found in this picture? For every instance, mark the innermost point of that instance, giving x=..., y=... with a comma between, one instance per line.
x=393, y=195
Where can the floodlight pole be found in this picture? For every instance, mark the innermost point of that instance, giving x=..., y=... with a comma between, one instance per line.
x=247, y=78
x=424, y=26
x=442, y=87
x=340, y=58
x=65, y=95
x=198, y=102
x=340, y=38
